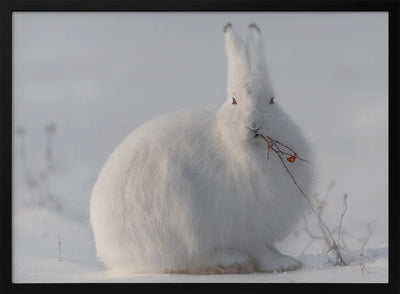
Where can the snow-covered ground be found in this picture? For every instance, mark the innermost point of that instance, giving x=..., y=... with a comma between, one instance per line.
x=54, y=249
x=83, y=81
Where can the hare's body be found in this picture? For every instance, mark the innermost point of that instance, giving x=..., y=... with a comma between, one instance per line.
x=190, y=192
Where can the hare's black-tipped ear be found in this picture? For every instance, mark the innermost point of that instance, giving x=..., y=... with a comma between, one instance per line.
x=255, y=48
x=227, y=26
x=236, y=53
x=253, y=25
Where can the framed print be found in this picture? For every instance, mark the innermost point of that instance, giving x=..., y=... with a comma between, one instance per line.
x=245, y=145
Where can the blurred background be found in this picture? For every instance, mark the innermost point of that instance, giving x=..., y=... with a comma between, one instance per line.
x=83, y=81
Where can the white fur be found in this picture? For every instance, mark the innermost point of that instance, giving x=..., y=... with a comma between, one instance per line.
x=192, y=191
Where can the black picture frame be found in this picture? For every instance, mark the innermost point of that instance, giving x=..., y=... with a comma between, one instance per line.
x=8, y=7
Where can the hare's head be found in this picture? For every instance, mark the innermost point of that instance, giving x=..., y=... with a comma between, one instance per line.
x=250, y=97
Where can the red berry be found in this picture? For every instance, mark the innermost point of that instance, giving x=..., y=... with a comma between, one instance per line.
x=291, y=158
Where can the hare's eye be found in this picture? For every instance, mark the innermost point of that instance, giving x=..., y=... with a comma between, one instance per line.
x=234, y=101
x=271, y=100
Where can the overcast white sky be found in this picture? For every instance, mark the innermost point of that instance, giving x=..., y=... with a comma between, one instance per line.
x=100, y=75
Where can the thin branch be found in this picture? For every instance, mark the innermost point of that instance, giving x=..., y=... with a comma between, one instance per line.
x=312, y=236
x=277, y=143
x=341, y=217
x=363, y=267
x=273, y=145
x=368, y=237
x=328, y=190
x=59, y=248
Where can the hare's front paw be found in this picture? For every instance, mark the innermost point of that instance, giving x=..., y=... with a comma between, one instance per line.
x=274, y=261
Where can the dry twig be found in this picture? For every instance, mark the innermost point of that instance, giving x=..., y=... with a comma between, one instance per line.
x=364, y=269
x=275, y=146
x=59, y=248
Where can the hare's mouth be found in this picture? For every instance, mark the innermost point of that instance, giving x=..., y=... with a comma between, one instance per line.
x=254, y=132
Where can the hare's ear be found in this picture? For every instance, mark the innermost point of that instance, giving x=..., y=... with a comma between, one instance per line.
x=236, y=53
x=255, y=49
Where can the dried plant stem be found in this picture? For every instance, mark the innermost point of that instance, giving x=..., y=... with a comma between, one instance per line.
x=30, y=182
x=364, y=269
x=38, y=185
x=59, y=248
x=312, y=236
x=327, y=192
x=341, y=217
x=273, y=145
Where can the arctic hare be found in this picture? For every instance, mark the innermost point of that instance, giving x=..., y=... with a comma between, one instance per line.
x=193, y=192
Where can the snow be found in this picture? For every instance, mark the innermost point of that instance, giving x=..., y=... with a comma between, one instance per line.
x=98, y=76
x=41, y=259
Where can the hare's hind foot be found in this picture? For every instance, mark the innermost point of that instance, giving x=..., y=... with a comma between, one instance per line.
x=273, y=261
x=238, y=269
x=218, y=270
x=224, y=261
x=231, y=269
x=279, y=264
